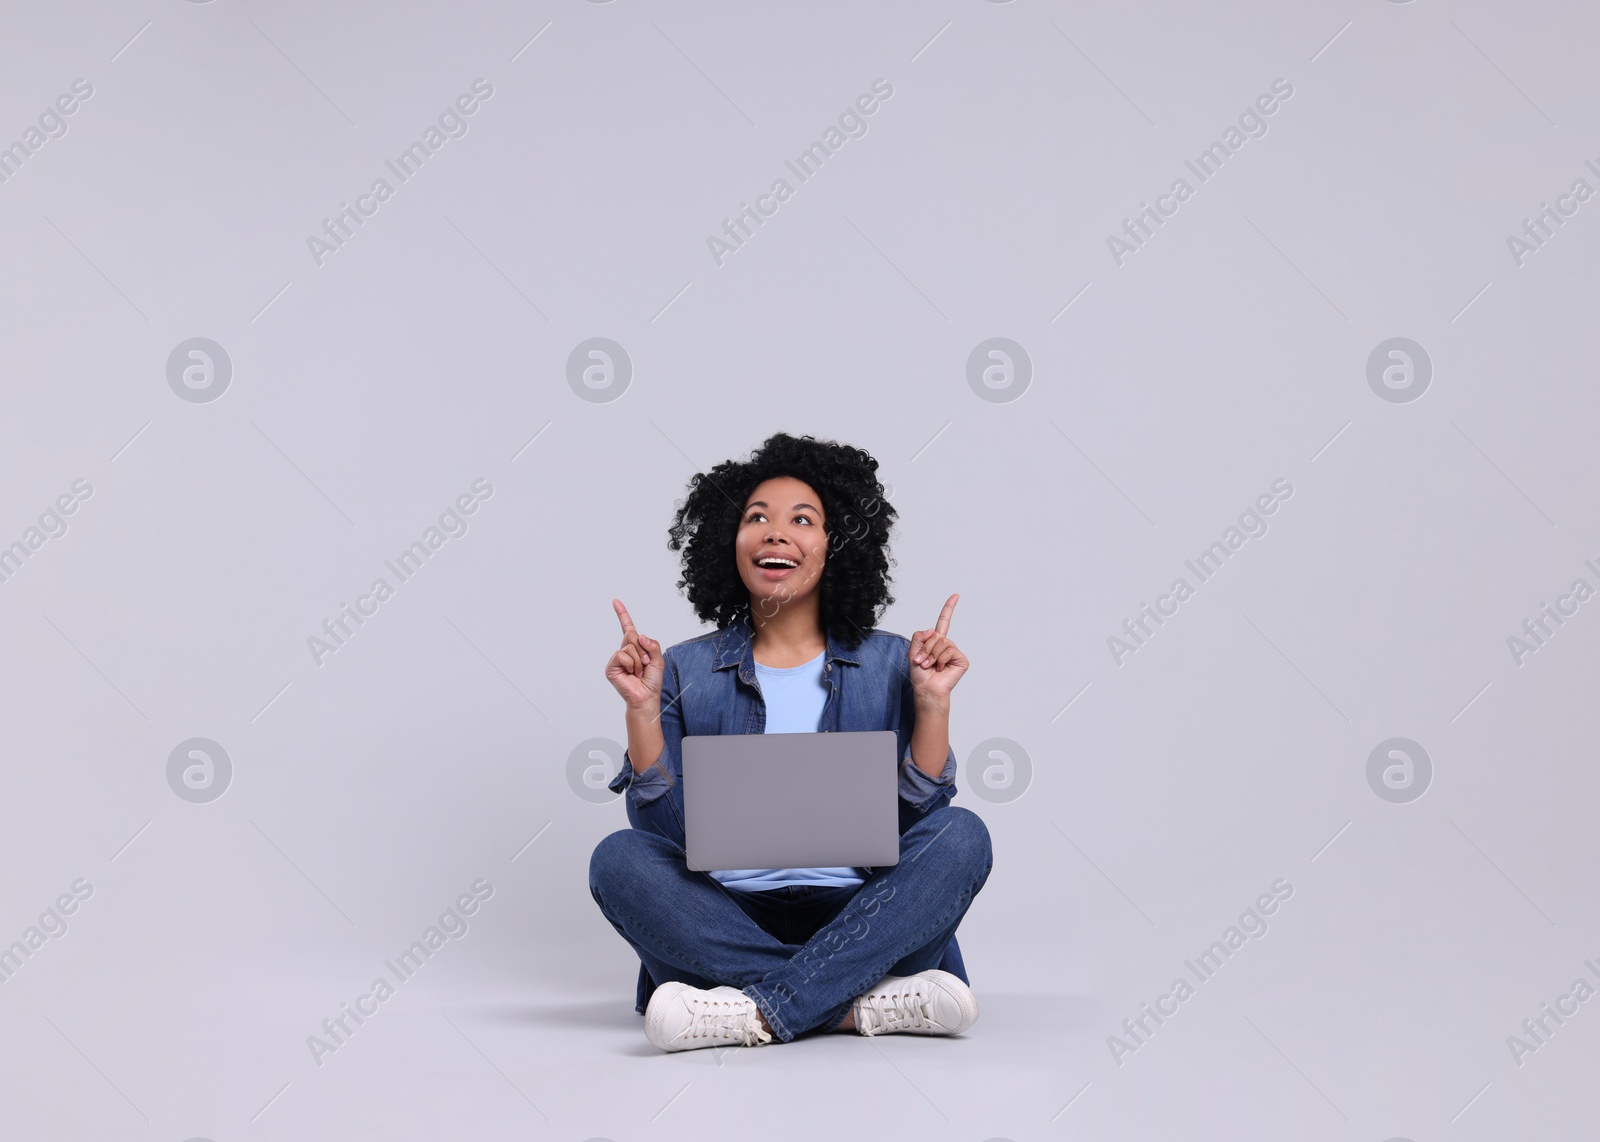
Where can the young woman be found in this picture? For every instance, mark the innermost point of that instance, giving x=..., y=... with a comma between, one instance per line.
x=787, y=553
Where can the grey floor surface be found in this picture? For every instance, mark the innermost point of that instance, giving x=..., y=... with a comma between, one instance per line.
x=516, y=1063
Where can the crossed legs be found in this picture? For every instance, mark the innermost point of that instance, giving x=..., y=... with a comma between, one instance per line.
x=685, y=926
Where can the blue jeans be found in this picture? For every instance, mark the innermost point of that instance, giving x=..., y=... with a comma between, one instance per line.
x=803, y=953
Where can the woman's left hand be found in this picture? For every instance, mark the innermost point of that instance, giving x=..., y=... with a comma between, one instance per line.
x=936, y=663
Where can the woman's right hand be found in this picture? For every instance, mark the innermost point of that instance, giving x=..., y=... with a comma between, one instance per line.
x=635, y=669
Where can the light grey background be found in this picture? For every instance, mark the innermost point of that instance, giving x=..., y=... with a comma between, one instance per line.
x=1168, y=392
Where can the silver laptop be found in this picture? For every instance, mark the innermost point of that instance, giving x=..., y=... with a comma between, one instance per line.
x=817, y=800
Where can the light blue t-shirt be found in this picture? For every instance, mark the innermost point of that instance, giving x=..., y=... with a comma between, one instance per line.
x=795, y=696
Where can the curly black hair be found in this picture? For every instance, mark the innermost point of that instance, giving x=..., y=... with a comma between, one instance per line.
x=855, y=575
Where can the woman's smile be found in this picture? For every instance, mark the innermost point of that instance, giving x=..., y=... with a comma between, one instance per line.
x=776, y=566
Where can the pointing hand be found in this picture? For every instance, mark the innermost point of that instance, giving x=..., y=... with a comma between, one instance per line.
x=635, y=669
x=936, y=663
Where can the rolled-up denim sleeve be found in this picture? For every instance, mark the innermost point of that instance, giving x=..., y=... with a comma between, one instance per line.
x=920, y=789
x=651, y=801
x=644, y=787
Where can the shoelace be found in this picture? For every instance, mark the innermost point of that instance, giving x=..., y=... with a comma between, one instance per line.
x=903, y=1009
x=719, y=1018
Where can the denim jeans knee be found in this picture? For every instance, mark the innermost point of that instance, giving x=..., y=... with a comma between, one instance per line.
x=968, y=838
x=614, y=854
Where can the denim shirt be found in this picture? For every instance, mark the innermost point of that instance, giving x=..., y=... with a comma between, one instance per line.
x=708, y=686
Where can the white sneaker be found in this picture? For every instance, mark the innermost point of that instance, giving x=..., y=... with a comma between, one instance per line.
x=932, y=1002
x=681, y=1018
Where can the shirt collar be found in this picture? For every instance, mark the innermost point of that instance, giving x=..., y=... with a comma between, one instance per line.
x=735, y=647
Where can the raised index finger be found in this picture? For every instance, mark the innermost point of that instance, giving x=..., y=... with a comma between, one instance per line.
x=622, y=616
x=943, y=625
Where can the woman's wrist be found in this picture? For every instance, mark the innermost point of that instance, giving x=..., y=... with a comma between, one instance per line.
x=646, y=743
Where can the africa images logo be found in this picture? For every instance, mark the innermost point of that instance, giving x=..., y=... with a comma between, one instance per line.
x=199, y=770
x=199, y=370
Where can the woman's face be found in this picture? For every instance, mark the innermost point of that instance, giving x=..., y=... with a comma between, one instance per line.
x=782, y=520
